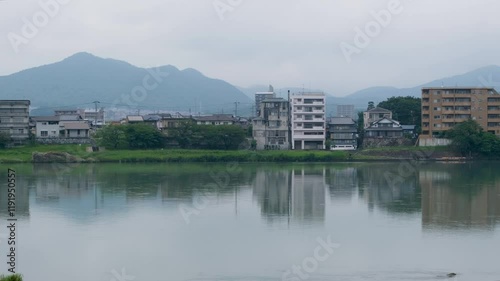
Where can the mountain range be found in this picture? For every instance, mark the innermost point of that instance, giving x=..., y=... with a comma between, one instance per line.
x=83, y=78
x=488, y=76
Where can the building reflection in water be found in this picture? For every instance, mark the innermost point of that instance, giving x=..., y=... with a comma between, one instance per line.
x=455, y=198
x=379, y=189
x=293, y=195
x=22, y=202
x=447, y=195
x=342, y=182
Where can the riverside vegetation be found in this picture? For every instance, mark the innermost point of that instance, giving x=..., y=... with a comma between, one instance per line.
x=15, y=277
x=143, y=143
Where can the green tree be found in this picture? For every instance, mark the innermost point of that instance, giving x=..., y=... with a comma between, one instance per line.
x=111, y=137
x=131, y=136
x=5, y=139
x=470, y=139
x=407, y=110
x=371, y=105
x=361, y=128
x=143, y=136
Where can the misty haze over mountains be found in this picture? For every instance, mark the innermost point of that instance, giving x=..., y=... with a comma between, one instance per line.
x=79, y=80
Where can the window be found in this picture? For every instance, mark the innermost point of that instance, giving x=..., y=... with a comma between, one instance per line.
x=437, y=116
x=20, y=131
x=44, y=133
x=437, y=108
x=78, y=133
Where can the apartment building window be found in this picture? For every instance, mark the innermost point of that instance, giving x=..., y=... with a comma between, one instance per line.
x=437, y=108
x=44, y=133
x=20, y=131
x=437, y=100
x=53, y=132
x=425, y=108
x=437, y=116
x=437, y=125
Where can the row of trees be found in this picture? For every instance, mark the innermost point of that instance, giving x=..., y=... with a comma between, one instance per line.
x=470, y=139
x=142, y=136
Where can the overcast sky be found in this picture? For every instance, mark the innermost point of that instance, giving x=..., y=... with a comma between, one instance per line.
x=288, y=43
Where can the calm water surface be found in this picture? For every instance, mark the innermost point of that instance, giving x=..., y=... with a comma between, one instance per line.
x=255, y=222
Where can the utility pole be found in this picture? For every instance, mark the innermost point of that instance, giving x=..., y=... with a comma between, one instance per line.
x=236, y=108
x=95, y=119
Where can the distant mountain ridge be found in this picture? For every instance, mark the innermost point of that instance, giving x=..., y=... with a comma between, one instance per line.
x=488, y=76
x=80, y=79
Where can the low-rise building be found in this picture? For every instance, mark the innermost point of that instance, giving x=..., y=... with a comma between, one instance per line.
x=46, y=126
x=343, y=133
x=375, y=114
x=384, y=128
x=14, y=119
x=270, y=129
x=77, y=130
x=60, y=127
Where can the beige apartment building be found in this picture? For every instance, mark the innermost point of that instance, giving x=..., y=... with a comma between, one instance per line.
x=443, y=107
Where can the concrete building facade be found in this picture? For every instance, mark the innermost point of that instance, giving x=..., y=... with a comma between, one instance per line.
x=14, y=119
x=308, y=124
x=444, y=107
x=270, y=129
x=260, y=96
x=342, y=132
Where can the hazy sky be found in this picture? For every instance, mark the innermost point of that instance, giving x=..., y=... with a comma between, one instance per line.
x=286, y=43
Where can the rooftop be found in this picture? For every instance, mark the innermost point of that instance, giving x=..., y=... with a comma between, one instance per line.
x=378, y=109
x=27, y=102
x=135, y=118
x=44, y=118
x=308, y=94
x=275, y=100
x=216, y=117
x=76, y=126
x=70, y=117
x=458, y=88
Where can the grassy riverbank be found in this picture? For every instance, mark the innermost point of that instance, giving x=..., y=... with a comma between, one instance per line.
x=24, y=155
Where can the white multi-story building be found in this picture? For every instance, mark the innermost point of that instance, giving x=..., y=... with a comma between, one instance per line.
x=308, y=120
